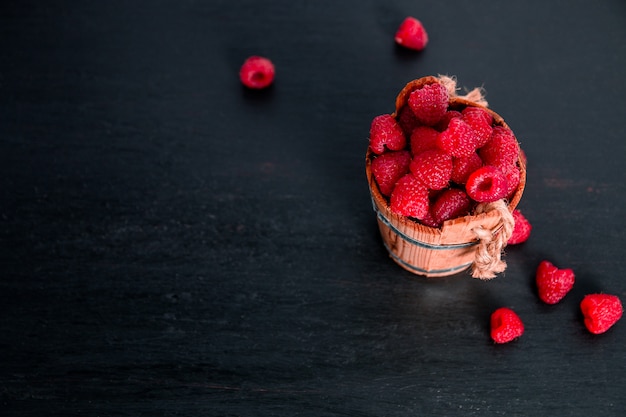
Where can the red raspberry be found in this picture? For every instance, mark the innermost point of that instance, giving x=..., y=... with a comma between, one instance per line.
x=521, y=230
x=486, y=184
x=429, y=103
x=480, y=121
x=422, y=139
x=433, y=167
x=601, y=312
x=386, y=132
x=506, y=325
x=502, y=150
x=257, y=72
x=463, y=167
x=429, y=220
x=482, y=113
x=459, y=139
x=512, y=175
x=452, y=203
x=407, y=120
x=411, y=34
x=553, y=283
x=388, y=168
x=410, y=197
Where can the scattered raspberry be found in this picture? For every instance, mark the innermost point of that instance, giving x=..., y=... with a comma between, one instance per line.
x=521, y=230
x=433, y=167
x=506, y=325
x=452, y=203
x=502, y=150
x=445, y=121
x=486, y=184
x=411, y=34
x=410, y=197
x=601, y=312
x=388, y=168
x=480, y=121
x=459, y=139
x=553, y=283
x=463, y=167
x=407, y=120
x=422, y=139
x=386, y=132
x=429, y=103
x=257, y=72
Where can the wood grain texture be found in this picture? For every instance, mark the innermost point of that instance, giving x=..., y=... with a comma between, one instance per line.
x=173, y=244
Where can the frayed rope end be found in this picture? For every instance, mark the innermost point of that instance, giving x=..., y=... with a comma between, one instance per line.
x=477, y=95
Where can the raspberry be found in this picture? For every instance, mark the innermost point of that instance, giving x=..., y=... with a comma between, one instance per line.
x=601, y=312
x=480, y=121
x=422, y=139
x=459, y=139
x=386, y=132
x=486, y=184
x=411, y=34
x=501, y=150
x=257, y=72
x=433, y=167
x=407, y=120
x=410, y=197
x=521, y=230
x=479, y=112
x=553, y=283
x=506, y=325
x=429, y=103
x=512, y=175
x=463, y=167
x=388, y=168
x=429, y=220
x=452, y=203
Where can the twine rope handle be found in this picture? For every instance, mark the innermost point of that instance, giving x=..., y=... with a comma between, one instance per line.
x=488, y=261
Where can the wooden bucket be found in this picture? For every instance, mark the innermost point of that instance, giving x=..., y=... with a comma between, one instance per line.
x=430, y=251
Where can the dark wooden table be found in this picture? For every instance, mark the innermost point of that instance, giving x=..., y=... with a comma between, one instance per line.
x=173, y=244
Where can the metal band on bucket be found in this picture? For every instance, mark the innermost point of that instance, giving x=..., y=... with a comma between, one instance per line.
x=419, y=243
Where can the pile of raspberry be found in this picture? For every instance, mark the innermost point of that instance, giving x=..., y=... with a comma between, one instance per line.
x=600, y=311
x=435, y=161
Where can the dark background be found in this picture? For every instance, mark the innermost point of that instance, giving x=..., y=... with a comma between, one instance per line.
x=173, y=244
